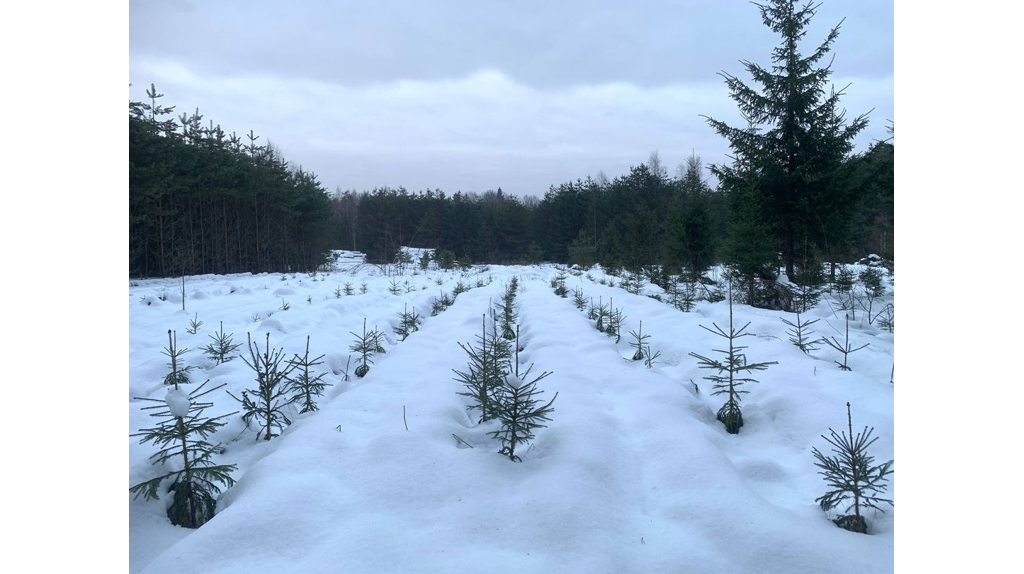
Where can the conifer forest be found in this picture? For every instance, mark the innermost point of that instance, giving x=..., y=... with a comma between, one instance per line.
x=666, y=369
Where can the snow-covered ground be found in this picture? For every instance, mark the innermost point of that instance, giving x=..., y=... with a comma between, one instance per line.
x=633, y=473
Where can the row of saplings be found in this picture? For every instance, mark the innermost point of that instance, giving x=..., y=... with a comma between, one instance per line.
x=281, y=386
x=497, y=385
x=851, y=474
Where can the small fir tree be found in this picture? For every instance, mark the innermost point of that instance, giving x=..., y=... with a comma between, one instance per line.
x=193, y=325
x=366, y=346
x=844, y=280
x=639, y=342
x=800, y=334
x=222, y=348
x=809, y=281
x=852, y=476
x=615, y=320
x=729, y=379
x=844, y=348
x=487, y=361
x=337, y=292
x=601, y=312
x=378, y=340
x=305, y=385
x=578, y=299
x=886, y=319
x=559, y=283
x=507, y=313
x=181, y=436
x=425, y=260
x=519, y=410
x=267, y=402
x=394, y=288
x=408, y=323
x=179, y=374
x=871, y=278
x=348, y=289
x=684, y=296
x=363, y=288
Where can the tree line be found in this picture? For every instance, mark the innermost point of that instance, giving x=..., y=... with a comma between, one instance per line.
x=203, y=201
x=794, y=196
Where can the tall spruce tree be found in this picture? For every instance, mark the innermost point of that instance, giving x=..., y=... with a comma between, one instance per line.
x=805, y=136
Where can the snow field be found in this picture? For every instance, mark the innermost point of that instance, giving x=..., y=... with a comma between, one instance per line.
x=633, y=473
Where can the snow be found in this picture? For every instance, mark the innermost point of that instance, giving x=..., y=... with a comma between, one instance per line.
x=632, y=474
x=177, y=402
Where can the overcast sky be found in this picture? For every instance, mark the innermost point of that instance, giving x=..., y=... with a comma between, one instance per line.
x=478, y=95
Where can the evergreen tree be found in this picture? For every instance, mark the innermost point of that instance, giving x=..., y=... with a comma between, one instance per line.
x=488, y=360
x=806, y=139
x=408, y=323
x=583, y=250
x=642, y=348
x=800, y=334
x=692, y=239
x=729, y=380
x=366, y=345
x=222, y=348
x=181, y=436
x=749, y=249
x=852, y=475
x=507, y=316
x=306, y=386
x=267, y=402
x=179, y=374
x=518, y=408
x=845, y=348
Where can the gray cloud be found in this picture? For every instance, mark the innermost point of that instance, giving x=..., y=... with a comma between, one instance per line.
x=484, y=94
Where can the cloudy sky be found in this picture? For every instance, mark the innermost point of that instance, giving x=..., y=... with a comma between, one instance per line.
x=490, y=93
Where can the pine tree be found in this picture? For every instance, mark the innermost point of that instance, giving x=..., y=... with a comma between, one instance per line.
x=800, y=334
x=519, y=410
x=305, y=386
x=222, y=348
x=729, y=380
x=851, y=474
x=267, y=402
x=181, y=436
